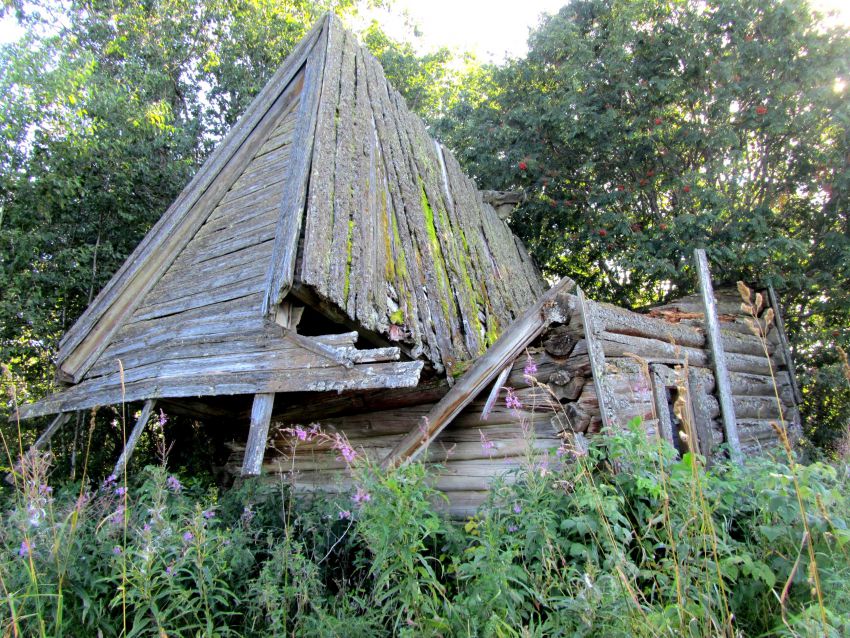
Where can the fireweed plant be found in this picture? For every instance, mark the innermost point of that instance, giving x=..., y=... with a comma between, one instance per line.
x=613, y=535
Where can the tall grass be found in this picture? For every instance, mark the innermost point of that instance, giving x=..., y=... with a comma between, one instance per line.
x=616, y=536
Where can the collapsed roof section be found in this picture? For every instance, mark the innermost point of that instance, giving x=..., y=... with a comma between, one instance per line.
x=327, y=188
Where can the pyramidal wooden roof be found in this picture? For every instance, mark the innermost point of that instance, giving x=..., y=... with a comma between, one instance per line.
x=327, y=189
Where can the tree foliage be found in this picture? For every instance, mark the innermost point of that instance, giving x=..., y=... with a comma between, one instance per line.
x=644, y=129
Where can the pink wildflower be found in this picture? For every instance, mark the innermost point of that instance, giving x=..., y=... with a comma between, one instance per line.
x=512, y=400
x=187, y=536
x=361, y=496
x=344, y=515
x=26, y=548
x=174, y=484
x=530, y=368
x=344, y=448
x=117, y=550
x=486, y=444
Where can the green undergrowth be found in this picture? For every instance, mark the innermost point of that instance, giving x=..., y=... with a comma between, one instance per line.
x=618, y=539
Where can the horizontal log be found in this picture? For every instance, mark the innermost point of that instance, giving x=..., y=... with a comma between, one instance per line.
x=757, y=407
x=653, y=351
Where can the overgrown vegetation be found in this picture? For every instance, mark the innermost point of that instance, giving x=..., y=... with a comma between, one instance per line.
x=620, y=538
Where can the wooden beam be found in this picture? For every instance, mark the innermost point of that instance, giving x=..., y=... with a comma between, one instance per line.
x=258, y=435
x=108, y=391
x=42, y=440
x=494, y=393
x=597, y=359
x=718, y=357
x=784, y=346
x=281, y=272
x=513, y=341
x=133, y=439
x=50, y=430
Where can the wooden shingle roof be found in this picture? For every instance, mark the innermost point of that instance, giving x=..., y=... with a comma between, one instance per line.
x=326, y=184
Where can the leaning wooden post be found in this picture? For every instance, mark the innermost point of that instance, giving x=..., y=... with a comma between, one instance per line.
x=255, y=449
x=50, y=430
x=61, y=419
x=718, y=357
x=133, y=439
x=783, y=344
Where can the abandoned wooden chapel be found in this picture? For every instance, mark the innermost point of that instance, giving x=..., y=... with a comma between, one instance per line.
x=331, y=263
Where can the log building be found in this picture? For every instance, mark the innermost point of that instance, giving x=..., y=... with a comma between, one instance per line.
x=331, y=263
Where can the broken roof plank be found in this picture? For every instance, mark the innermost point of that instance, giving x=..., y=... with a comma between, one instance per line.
x=509, y=346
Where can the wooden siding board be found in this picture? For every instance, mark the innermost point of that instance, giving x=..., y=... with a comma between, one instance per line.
x=320, y=201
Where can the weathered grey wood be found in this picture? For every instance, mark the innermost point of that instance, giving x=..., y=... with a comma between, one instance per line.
x=344, y=163
x=656, y=351
x=512, y=342
x=282, y=266
x=597, y=359
x=90, y=335
x=91, y=393
x=319, y=218
x=336, y=355
x=494, y=393
x=258, y=434
x=662, y=379
x=133, y=439
x=50, y=430
x=784, y=346
x=718, y=357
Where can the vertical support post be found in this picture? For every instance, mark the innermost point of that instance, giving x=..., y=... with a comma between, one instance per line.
x=597, y=359
x=255, y=449
x=718, y=357
x=133, y=439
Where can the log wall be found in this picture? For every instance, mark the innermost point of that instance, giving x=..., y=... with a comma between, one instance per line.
x=645, y=356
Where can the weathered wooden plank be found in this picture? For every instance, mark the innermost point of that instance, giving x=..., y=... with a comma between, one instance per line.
x=494, y=393
x=86, y=340
x=208, y=346
x=235, y=315
x=597, y=360
x=718, y=357
x=94, y=392
x=425, y=250
x=656, y=351
x=512, y=342
x=784, y=347
x=44, y=438
x=409, y=282
x=214, y=273
x=258, y=434
x=133, y=439
x=319, y=223
x=231, y=236
x=221, y=292
x=282, y=266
